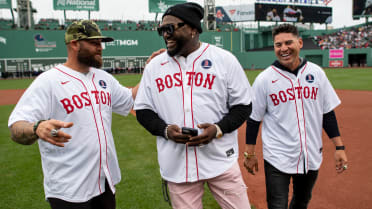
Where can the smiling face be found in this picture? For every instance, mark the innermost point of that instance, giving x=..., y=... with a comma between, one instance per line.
x=178, y=42
x=287, y=49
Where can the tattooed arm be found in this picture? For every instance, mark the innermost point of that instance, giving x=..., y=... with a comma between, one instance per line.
x=22, y=132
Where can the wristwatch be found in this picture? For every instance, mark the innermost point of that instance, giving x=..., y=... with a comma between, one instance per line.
x=219, y=133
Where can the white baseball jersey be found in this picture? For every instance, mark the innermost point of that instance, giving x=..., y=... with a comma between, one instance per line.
x=76, y=172
x=292, y=109
x=190, y=91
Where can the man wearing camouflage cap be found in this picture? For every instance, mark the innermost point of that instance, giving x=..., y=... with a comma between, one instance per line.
x=69, y=108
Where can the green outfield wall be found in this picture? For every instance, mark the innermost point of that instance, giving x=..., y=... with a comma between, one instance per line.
x=27, y=50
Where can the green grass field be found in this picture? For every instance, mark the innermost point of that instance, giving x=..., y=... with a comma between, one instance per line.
x=21, y=186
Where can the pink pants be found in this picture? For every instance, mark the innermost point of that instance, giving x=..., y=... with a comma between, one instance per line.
x=228, y=189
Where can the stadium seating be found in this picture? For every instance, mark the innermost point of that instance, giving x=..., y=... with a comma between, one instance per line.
x=119, y=25
x=354, y=37
x=47, y=24
x=226, y=27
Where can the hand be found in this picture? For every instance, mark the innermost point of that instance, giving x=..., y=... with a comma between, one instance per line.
x=341, y=161
x=209, y=133
x=154, y=54
x=44, y=132
x=250, y=163
x=175, y=133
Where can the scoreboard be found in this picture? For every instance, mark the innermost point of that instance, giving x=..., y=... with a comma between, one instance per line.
x=292, y=13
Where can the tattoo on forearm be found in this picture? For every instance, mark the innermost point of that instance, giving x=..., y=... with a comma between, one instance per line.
x=22, y=132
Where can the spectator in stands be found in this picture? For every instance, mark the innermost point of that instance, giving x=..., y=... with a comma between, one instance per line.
x=360, y=37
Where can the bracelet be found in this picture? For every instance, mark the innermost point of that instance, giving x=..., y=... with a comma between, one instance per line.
x=249, y=156
x=36, y=125
x=166, y=132
x=219, y=133
x=340, y=147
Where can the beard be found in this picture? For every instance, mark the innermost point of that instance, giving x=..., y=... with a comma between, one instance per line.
x=180, y=45
x=87, y=58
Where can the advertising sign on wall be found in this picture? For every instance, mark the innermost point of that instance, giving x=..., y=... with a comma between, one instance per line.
x=235, y=13
x=336, y=53
x=159, y=6
x=336, y=63
x=92, y=5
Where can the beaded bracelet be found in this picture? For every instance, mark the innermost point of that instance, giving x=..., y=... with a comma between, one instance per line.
x=36, y=125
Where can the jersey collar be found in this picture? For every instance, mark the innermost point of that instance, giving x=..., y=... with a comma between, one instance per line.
x=76, y=73
x=295, y=72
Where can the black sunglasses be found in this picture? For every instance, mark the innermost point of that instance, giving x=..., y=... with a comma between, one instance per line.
x=169, y=28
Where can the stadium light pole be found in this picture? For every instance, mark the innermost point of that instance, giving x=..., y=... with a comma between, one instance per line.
x=209, y=14
x=28, y=14
x=18, y=19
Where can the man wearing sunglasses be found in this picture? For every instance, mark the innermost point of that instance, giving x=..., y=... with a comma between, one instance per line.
x=193, y=98
x=79, y=160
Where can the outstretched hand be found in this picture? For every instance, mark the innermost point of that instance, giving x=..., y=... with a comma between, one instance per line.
x=44, y=131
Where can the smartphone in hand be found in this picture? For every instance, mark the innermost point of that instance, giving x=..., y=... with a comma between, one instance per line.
x=190, y=131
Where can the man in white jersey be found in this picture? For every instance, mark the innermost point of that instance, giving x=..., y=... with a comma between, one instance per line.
x=69, y=108
x=200, y=86
x=294, y=99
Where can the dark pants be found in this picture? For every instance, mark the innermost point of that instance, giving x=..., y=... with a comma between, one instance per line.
x=105, y=200
x=277, y=188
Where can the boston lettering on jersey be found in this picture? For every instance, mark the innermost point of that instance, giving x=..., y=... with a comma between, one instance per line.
x=289, y=94
x=197, y=79
x=83, y=100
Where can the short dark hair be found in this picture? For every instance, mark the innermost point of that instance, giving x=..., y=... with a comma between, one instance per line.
x=285, y=28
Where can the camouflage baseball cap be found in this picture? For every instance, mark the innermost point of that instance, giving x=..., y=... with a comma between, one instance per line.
x=84, y=29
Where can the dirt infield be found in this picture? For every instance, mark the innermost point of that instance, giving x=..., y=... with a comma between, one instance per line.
x=350, y=190
x=10, y=96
